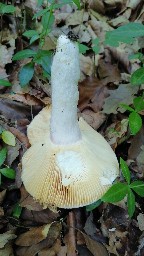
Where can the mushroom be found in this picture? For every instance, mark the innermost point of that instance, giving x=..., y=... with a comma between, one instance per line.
x=69, y=164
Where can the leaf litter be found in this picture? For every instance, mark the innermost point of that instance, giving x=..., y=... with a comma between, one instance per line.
x=105, y=83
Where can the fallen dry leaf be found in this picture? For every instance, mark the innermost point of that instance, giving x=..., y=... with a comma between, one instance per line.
x=92, y=93
x=7, y=250
x=140, y=219
x=53, y=251
x=28, y=202
x=5, y=237
x=124, y=94
x=136, y=143
x=95, y=120
x=2, y=195
x=95, y=247
x=52, y=236
x=33, y=236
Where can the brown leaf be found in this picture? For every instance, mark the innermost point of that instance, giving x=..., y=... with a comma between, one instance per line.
x=33, y=236
x=46, y=243
x=28, y=202
x=92, y=94
x=136, y=143
x=1, y=212
x=2, y=195
x=51, y=251
x=95, y=120
x=108, y=72
x=95, y=247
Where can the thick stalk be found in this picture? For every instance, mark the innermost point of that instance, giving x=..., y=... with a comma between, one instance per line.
x=64, y=79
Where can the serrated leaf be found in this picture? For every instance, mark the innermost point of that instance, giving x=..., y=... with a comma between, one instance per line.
x=138, y=187
x=135, y=122
x=24, y=54
x=116, y=193
x=5, y=83
x=131, y=203
x=125, y=34
x=8, y=138
x=8, y=173
x=138, y=103
x=125, y=170
x=83, y=48
x=30, y=33
x=91, y=207
x=26, y=74
x=137, y=78
x=3, y=153
x=126, y=107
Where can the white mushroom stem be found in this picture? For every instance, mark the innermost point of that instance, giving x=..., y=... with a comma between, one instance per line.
x=65, y=73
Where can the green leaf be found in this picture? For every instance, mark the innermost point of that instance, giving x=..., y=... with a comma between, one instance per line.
x=138, y=103
x=135, y=122
x=126, y=107
x=96, y=45
x=83, y=48
x=125, y=170
x=137, y=78
x=5, y=83
x=48, y=20
x=24, y=54
x=40, y=13
x=26, y=74
x=44, y=58
x=77, y=3
x=8, y=138
x=8, y=173
x=17, y=211
x=125, y=34
x=30, y=33
x=3, y=153
x=137, y=55
x=116, y=193
x=91, y=207
x=138, y=187
x=131, y=203
x=7, y=8
x=34, y=38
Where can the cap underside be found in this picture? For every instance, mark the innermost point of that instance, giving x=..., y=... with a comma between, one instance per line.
x=42, y=174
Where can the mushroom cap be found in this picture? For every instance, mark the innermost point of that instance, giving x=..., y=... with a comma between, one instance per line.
x=67, y=176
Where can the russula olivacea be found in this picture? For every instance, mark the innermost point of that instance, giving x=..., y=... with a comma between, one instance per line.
x=69, y=164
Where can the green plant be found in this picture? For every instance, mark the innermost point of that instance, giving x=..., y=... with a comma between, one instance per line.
x=41, y=57
x=135, y=120
x=17, y=211
x=120, y=190
x=9, y=139
x=4, y=170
